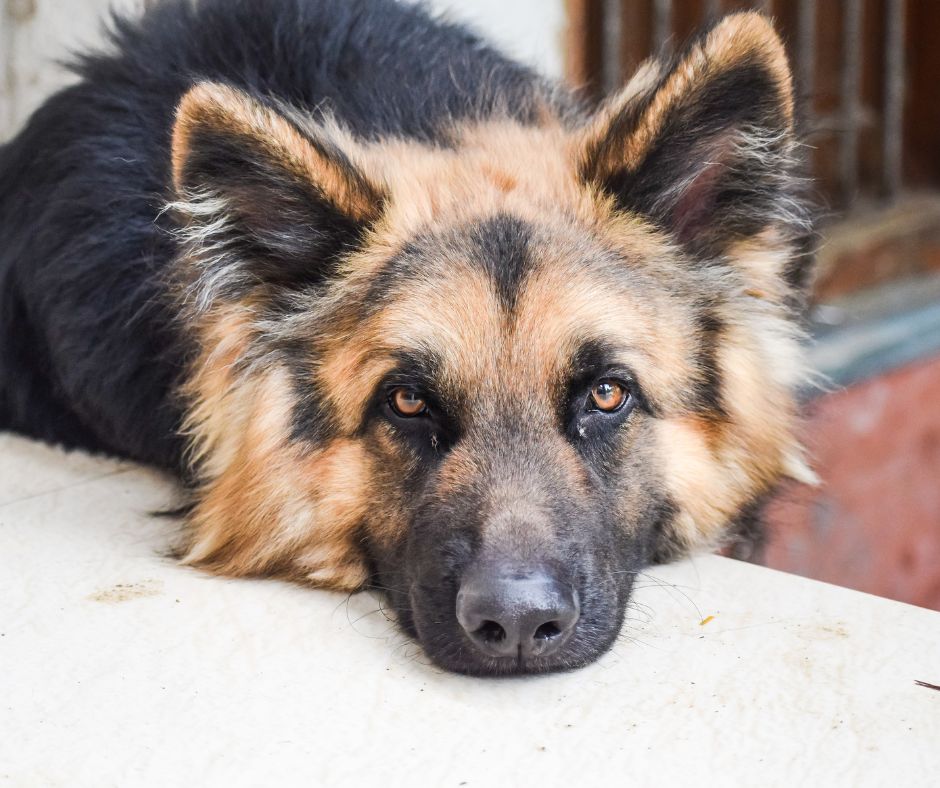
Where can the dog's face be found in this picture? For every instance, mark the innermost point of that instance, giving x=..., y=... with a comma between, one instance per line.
x=494, y=378
x=506, y=392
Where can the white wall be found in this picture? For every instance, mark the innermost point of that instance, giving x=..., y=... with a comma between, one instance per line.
x=529, y=30
x=34, y=33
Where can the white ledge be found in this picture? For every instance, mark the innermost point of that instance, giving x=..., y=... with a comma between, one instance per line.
x=118, y=667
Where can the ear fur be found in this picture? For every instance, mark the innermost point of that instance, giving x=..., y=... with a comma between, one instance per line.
x=704, y=146
x=267, y=199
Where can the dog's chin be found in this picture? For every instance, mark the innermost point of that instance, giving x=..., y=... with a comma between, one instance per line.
x=463, y=659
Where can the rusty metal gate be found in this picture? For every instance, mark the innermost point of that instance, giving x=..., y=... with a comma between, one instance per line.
x=865, y=68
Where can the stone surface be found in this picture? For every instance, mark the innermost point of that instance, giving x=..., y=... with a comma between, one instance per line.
x=120, y=668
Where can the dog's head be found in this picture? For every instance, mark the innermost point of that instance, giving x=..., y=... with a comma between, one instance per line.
x=495, y=377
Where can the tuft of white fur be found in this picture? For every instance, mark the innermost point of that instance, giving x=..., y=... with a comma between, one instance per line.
x=207, y=265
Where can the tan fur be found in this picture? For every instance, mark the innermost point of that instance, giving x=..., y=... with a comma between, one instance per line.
x=762, y=260
x=713, y=468
x=497, y=166
x=273, y=508
x=218, y=415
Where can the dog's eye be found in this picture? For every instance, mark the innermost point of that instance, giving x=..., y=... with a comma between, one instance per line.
x=609, y=396
x=406, y=402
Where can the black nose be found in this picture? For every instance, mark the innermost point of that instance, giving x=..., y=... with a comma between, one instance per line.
x=516, y=613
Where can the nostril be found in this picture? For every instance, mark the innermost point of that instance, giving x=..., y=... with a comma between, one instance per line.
x=491, y=632
x=547, y=631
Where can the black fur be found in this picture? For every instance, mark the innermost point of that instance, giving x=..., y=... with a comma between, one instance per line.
x=502, y=249
x=88, y=352
x=708, y=391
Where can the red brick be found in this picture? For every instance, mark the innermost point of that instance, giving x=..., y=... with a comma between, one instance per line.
x=874, y=524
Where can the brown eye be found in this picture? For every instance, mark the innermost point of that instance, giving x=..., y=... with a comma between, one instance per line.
x=406, y=403
x=608, y=396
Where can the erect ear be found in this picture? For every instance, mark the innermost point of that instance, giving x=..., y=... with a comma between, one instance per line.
x=267, y=200
x=704, y=146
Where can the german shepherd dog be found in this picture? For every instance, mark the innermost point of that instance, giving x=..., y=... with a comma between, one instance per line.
x=404, y=315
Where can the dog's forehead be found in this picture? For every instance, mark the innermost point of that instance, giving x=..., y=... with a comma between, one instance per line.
x=506, y=303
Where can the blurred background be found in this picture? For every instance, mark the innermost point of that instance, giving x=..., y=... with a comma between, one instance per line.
x=868, y=71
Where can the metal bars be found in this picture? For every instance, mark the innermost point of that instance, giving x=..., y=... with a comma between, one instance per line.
x=805, y=60
x=854, y=108
x=850, y=102
x=613, y=50
x=893, y=126
x=662, y=24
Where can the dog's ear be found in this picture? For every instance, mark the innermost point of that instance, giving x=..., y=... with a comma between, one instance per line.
x=266, y=199
x=704, y=146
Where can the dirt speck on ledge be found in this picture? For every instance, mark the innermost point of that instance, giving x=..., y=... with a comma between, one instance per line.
x=123, y=592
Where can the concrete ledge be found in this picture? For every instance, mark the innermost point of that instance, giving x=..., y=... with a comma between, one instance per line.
x=121, y=668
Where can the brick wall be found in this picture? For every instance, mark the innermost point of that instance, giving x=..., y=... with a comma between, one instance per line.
x=874, y=522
